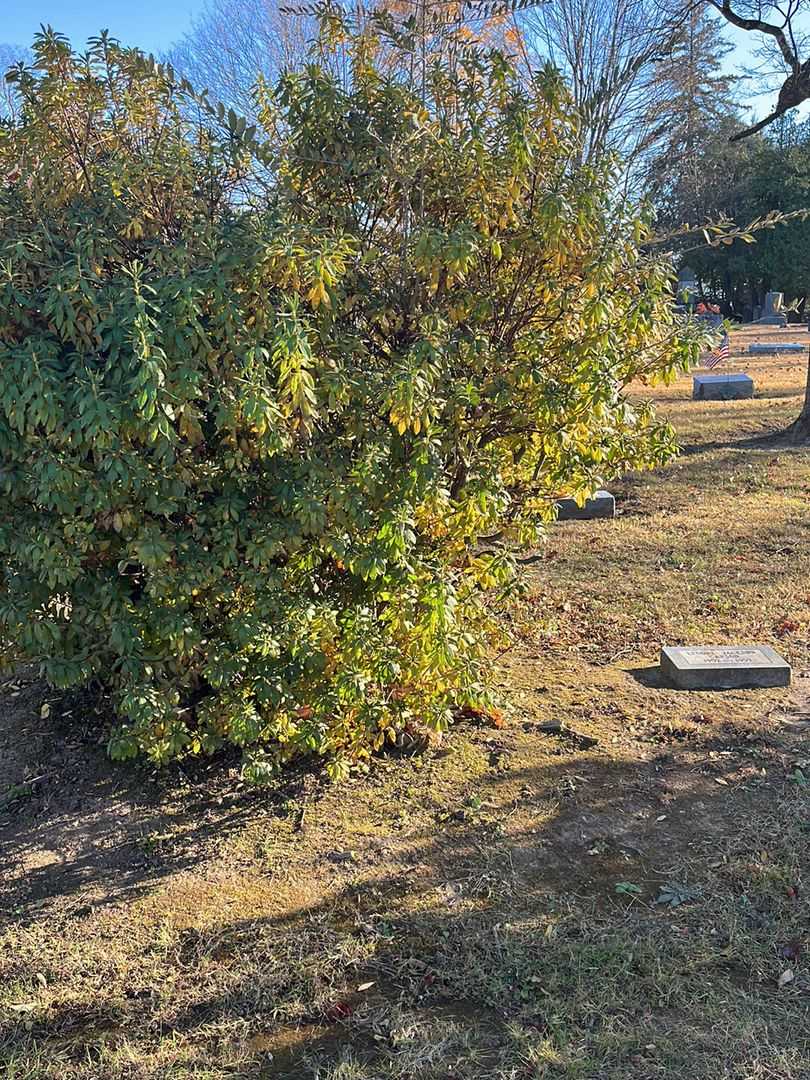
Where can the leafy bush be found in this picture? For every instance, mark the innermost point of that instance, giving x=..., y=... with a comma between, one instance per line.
x=275, y=406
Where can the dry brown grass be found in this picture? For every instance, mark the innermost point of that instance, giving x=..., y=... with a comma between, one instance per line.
x=179, y=927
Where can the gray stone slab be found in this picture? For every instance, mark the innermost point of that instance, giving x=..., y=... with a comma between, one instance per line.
x=724, y=667
x=602, y=505
x=772, y=320
x=687, y=285
x=722, y=387
x=768, y=347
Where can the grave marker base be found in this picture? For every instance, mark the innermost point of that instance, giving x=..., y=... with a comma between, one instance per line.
x=722, y=387
x=724, y=667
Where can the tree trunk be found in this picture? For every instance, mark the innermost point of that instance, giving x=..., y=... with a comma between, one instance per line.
x=799, y=430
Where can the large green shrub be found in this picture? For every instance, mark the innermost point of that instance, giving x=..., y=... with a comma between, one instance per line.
x=262, y=395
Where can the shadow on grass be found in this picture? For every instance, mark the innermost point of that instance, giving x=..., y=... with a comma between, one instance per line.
x=650, y=677
x=80, y=827
x=769, y=440
x=496, y=917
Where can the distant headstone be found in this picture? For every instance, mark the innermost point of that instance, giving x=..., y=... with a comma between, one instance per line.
x=687, y=285
x=722, y=387
x=724, y=667
x=602, y=505
x=769, y=347
x=772, y=314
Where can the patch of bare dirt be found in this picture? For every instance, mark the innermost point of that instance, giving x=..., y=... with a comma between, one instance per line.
x=77, y=830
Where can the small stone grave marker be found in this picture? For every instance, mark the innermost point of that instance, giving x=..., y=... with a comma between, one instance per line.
x=722, y=387
x=687, y=285
x=765, y=347
x=602, y=505
x=772, y=314
x=724, y=667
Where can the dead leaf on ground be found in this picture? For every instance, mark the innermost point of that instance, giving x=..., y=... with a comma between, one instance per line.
x=792, y=950
x=340, y=1010
x=492, y=717
x=674, y=894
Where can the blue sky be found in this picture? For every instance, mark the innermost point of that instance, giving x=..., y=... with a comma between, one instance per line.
x=152, y=25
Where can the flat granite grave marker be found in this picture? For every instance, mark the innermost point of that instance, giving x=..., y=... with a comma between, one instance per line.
x=722, y=387
x=765, y=347
x=724, y=667
x=602, y=505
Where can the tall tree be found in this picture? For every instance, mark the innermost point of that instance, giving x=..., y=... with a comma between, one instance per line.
x=9, y=56
x=741, y=181
x=694, y=96
x=609, y=52
x=234, y=42
x=779, y=27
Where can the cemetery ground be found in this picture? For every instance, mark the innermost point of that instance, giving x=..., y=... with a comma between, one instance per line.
x=612, y=883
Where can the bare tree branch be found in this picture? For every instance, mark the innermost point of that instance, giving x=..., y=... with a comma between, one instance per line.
x=762, y=27
x=796, y=87
x=609, y=52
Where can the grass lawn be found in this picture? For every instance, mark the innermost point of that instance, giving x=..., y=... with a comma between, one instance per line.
x=491, y=909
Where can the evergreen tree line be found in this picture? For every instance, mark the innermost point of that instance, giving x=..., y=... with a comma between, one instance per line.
x=700, y=175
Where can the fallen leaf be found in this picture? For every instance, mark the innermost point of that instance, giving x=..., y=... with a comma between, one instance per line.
x=627, y=888
x=341, y=1010
x=785, y=978
x=673, y=894
x=45, y=711
x=792, y=950
x=493, y=717
x=365, y=986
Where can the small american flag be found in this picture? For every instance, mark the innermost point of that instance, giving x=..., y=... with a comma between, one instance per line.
x=718, y=355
